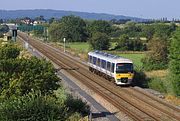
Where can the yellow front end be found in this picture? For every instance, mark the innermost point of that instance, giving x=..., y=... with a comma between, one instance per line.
x=124, y=78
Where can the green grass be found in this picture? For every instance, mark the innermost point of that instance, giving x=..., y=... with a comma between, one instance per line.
x=81, y=46
x=135, y=57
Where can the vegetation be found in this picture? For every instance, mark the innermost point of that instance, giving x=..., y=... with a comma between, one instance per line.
x=3, y=29
x=29, y=90
x=99, y=41
x=100, y=26
x=174, y=64
x=156, y=58
x=70, y=27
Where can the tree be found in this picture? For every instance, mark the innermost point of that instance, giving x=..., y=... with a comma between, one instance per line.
x=148, y=31
x=51, y=20
x=21, y=76
x=122, y=43
x=55, y=31
x=174, y=64
x=132, y=29
x=100, y=26
x=156, y=58
x=163, y=31
x=100, y=41
x=1, y=21
x=4, y=28
x=9, y=51
x=73, y=28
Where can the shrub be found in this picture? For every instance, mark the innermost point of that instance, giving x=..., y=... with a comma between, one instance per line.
x=157, y=84
x=156, y=58
x=32, y=107
x=174, y=64
x=25, y=75
x=9, y=51
x=100, y=41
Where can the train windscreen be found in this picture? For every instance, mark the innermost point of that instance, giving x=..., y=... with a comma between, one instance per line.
x=124, y=68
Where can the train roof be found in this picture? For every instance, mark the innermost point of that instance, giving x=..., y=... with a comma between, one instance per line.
x=109, y=57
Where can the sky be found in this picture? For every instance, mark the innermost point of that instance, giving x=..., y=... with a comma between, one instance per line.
x=151, y=9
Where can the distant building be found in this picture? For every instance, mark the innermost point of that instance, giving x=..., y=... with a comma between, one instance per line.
x=7, y=37
x=36, y=22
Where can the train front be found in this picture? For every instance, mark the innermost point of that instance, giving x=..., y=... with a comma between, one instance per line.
x=124, y=73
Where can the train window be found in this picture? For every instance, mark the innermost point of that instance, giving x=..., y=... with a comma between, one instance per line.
x=94, y=60
x=90, y=59
x=108, y=66
x=103, y=64
x=112, y=67
x=98, y=62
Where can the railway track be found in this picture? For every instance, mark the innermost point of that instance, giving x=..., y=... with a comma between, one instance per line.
x=134, y=103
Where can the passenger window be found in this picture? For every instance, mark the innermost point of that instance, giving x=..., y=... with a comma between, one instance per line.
x=103, y=64
x=94, y=60
x=112, y=67
x=108, y=66
x=98, y=62
x=90, y=59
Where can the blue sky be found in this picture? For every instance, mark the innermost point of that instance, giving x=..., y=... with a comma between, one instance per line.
x=137, y=8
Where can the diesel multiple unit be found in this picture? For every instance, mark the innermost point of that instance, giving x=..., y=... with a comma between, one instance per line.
x=111, y=67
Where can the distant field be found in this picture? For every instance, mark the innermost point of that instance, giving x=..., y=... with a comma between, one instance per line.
x=135, y=57
x=82, y=46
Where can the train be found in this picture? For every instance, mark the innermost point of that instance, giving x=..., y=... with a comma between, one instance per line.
x=112, y=67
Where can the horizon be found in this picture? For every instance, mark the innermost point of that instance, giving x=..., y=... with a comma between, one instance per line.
x=92, y=13
x=154, y=9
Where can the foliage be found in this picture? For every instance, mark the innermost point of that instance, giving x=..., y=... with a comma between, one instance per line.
x=156, y=58
x=22, y=76
x=38, y=33
x=9, y=51
x=174, y=64
x=131, y=29
x=54, y=31
x=125, y=43
x=100, y=26
x=4, y=28
x=71, y=27
x=99, y=41
x=164, y=31
x=157, y=84
x=32, y=107
x=35, y=106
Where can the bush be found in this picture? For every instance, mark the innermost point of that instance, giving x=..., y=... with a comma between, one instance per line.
x=25, y=75
x=174, y=64
x=157, y=84
x=32, y=107
x=9, y=51
x=100, y=41
x=37, y=107
x=156, y=58
x=150, y=64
